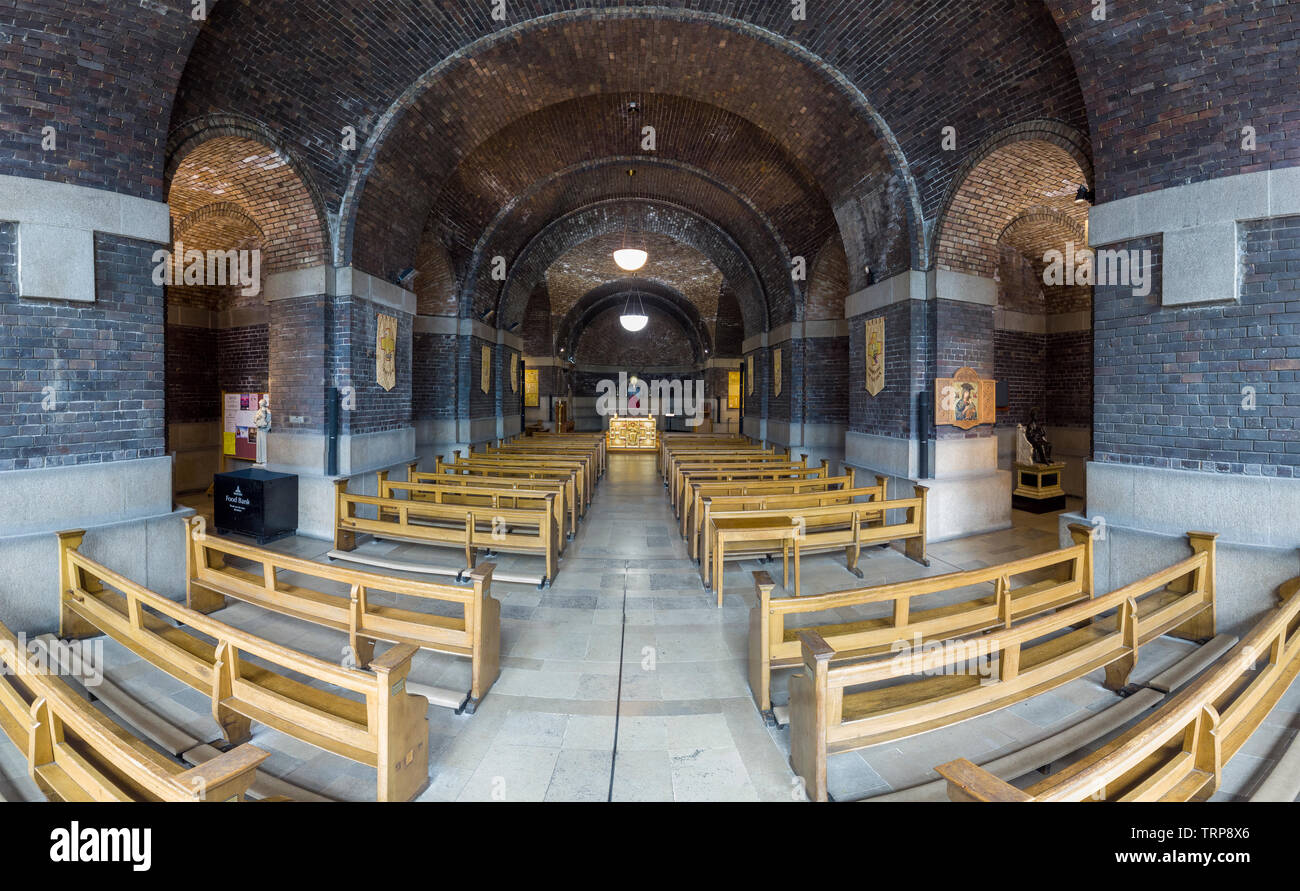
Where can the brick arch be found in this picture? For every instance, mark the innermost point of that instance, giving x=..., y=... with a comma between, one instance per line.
x=638, y=216
x=218, y=213
x=233, y=161
x=1032, y=235
x=858, y=129
x=760, y=266
x=1022, y=168
x=435, y=279
x=828, y=282
x=671, y=312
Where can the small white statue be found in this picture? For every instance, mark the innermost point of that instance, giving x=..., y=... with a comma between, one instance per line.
x=1024, y=451
x=262, y=421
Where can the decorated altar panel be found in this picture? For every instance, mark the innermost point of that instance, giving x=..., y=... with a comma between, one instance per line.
x=632, y=434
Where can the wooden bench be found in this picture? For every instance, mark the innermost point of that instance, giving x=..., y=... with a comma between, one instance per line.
x=697, y=491
x=831, y=527
x=943, y=685
x=474, y=634
x=464, y=526
x=685, y=474
x=76, y=753
x=1021, y=589
x=498, y=465
x=671, y=455
x=563, y=485
x=559, y=446
x=679, y=463
x=1178, y=753
x=379, y=724
x=514, y=494
x=589, y=458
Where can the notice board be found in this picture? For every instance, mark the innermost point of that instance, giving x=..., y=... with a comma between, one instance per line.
x=238, y=435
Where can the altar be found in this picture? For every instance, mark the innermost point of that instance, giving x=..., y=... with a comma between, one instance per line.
x=632, y=435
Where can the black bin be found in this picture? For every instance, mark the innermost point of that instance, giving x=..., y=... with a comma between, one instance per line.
x=256, y=502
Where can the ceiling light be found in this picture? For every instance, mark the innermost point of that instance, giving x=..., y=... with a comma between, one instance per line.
x=1084, y=196
x=630, y=259
x=633, y=319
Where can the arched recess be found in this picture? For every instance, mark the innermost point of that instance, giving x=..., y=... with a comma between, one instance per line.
x=234, y=196
x=378, y=198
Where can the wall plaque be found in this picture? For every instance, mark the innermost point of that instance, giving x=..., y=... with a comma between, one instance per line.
x=964, y=400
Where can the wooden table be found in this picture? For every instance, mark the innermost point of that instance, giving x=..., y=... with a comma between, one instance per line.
x=756, y=529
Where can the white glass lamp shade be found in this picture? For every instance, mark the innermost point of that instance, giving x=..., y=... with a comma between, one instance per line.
x=633, y=321
x=630, y=259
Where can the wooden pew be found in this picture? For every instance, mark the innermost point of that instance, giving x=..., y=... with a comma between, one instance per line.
x=677, y=461
x=564, y=485
x=589, y=458
x=1022, y=589
x=476, y=633
x=497, y=465
x=684, y=474
x=462, y=491
x=936, y=687
x=77, y=753
x=464, y=526
x=671, y=455
x=1178, y=753
x=698, y=491
x=585, y=445
x=387, y=729
x=849, y=527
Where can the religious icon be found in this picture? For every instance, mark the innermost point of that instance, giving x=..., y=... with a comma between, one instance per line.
x=386, y=351
x=876, y=355
x=965, y=400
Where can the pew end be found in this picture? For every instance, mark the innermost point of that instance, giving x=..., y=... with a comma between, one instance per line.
x=760, y=670
x=71, y=625
x=970, y=782
x=226, y=777
x=808, y=718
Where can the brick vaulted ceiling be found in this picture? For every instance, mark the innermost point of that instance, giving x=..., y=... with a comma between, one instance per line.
x=475, y=135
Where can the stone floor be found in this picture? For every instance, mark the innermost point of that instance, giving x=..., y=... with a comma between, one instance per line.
x=624, y=681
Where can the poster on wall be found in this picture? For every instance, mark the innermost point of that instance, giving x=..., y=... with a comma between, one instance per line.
x=776, y=372
x=532, y=388
x=514, y=373
x=964, y=400
x=485, y=371
x=238, y=435
x=386, y=351
x=733, y=389
x=875, y=355
x=750, y=377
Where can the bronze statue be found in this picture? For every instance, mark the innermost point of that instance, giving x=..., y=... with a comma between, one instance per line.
x=1036, y=433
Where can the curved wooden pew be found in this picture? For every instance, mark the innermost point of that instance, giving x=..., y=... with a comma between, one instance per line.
x=76, y=753
x=563, y=486
x=379, y=724
x=698, y=492
x=501, y=465
x=1022, y=589
x=1177, y=753
x=476, y=633
x=938, y=686
x=687, y=474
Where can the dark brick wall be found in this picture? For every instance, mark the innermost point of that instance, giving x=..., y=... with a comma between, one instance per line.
x=192, y=388
x=1192, y=75
x=893, y=411
x=103, y=73
x=1020, y=359
x=481, y=405
x=1068, y=379
x=1169, y=382
x=963, y=339
x=355, y=351
x=104, y=360
x=663, y=343
x=756, y=402
x=779, y=405
x=433, y=373
x=299, y=362
x=242, y=355
x=826, y=380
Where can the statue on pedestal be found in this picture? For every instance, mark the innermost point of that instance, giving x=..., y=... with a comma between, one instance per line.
x=1036, y=433
x=262, y=421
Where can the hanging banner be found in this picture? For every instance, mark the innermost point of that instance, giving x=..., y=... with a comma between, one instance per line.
x=532, y=388
x=776, y=371
x=733, y=389
x=750, y=377
x=386, y=351
x=514, y=372
x=875, y=355
x=965, y=400
x=485, y=371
